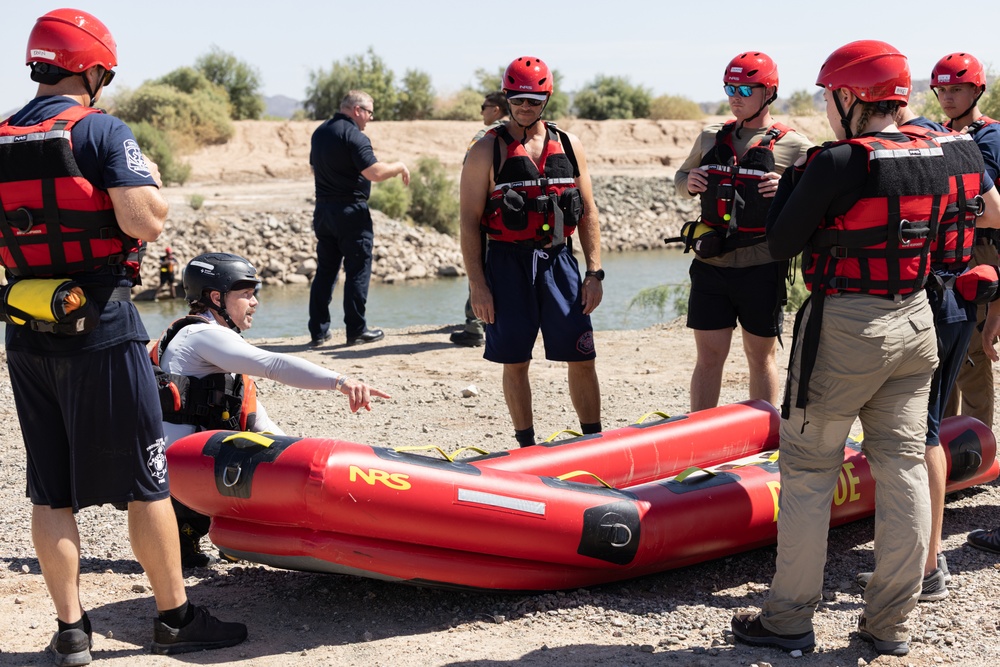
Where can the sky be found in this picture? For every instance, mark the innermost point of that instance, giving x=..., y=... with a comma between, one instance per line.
x=658, y=44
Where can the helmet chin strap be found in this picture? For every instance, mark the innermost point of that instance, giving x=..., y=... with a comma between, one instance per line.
x=763, y=106
x=532, y=124
x=845, y=119
x=221, y=310
x=91, y=93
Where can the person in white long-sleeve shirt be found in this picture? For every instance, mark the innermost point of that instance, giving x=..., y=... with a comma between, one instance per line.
x=205, y=353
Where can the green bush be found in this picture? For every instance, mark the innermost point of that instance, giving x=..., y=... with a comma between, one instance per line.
x=801, y=103
x=674, y=107
x=197, y=201
x=416, y=99
x=612, y=97
x=156, y=146
x=463, y=106
x=435, y=200
x=240, y=80
x=657, y=298
x=392, y=198
x=367, y=72
x=925, y=104
x=190, y=120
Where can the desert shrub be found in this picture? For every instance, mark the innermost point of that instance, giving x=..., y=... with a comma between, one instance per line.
x=240, y=80
x=612, y=97
x=197, y=201
x=925, y=104
x=156, y=146
x=189, y=119
x=391, y=197
x=989, y=103
x=658, y=297
x=367, y=72
x=801, y=103
x=463, y=106
x=434, y=197
x=674, y=107
x=416, y=99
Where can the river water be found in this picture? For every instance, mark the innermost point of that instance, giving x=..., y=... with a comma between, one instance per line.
x=283, y=309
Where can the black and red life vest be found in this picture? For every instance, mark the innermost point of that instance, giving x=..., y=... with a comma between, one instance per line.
x=880, y=245
x=951, y=249
x=732, y=204
x=54, y=221
x=531, y=203
x=218, y=401
x=977, y=125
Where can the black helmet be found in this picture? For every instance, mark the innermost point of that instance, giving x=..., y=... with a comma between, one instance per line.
x=220, y=272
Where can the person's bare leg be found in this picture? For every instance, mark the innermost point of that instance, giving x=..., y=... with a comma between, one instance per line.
x=937, y=477
x=517, y=393
x=762, y=360
x=57, y=545
x=585, y=390
x=152, y=529
x=712, y=348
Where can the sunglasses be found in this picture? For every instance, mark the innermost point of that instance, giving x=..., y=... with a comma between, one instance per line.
x=109, y=76
x=744, y=90
x=518, y=101
x=487, y=106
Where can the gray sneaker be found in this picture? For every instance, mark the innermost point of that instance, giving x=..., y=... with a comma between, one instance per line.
x=882, y=646
x=932, y=589
x=942, y=564
x=987, y=540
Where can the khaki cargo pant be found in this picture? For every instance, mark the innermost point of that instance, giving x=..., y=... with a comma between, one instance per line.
x=875, y=361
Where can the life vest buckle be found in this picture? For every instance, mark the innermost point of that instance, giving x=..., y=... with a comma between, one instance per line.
x=909, y=232
x=840, y=252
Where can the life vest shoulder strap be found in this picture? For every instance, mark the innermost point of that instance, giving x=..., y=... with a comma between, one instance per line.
x=156, y=352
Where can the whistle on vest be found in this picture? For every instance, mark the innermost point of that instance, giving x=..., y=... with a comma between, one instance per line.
x=46, y=305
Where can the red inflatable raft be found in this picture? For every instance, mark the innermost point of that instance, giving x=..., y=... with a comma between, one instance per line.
x=508, y=521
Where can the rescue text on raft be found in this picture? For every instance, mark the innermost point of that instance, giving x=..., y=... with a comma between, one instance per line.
x=653, y=496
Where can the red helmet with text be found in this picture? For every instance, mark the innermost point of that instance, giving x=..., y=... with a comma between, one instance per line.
x=751, y=67
x=73, y=40
x=527, y=76
x=958, y=68
x=874, y=71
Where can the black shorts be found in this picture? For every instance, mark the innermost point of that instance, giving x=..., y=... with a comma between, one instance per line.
x=91, y=425
x=722, y=296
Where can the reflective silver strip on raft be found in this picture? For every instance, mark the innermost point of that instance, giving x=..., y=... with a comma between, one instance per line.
x=506, y=502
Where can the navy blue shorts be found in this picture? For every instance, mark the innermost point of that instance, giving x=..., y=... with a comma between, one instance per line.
x=91, y=425
x=722, y=296
x=536, y=290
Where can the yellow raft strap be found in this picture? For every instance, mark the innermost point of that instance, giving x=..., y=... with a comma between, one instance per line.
x=575, y=434
x=690, y=471
x=255, y=438
x=477, y=450
x=578, y=473
x=449, y=457
x=650, y=414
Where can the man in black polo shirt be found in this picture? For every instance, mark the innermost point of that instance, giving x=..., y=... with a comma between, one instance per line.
x=345, y=167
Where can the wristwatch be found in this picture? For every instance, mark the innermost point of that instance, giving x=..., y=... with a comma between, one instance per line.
x=599, y=274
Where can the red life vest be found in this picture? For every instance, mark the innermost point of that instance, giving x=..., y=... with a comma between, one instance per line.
x=732, y=203
x=531, y=203
x=951, y=249
x=880, y=245
x=54, y=221
x=217, y=401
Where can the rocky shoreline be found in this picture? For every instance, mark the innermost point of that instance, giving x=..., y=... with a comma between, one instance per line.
x=637, y=213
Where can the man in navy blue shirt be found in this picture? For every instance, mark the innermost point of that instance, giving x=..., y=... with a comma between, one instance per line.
x=80, y=201
x=345, y=166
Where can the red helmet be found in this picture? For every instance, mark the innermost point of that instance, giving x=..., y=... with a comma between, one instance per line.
x=958, y=68
x=872, y=70
x=751, y=67
x=528, y=75
x=73, y=40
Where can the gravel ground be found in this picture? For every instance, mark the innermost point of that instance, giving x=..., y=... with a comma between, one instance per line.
x=679, y=617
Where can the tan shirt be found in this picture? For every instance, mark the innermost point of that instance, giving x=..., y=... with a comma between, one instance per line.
x=787, y=150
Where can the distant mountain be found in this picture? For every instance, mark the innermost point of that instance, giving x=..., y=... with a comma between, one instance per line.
x=281, y=106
